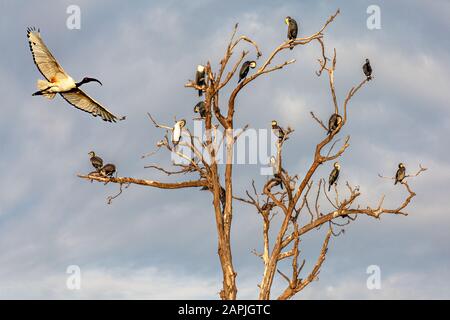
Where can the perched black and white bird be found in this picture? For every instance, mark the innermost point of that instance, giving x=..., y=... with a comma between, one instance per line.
x=367, y=68
x=334, y=175
x=276, y=172
x=177, y=129
x=334, y=122
x=96, y=161
x=201, y=109
x=222, y=195
x=108, y=170
x=274, y=164
x=58, y=81
x=292, y=29
x=200, y=78
x=278, y=131
x=245, y=68
x=401, y=173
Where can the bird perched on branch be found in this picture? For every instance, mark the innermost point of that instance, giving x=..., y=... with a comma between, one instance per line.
x=108, y=170
x=276, y=172
x=367, y=68
x=96, y=161
x=292, y=29
x=278, y=131
x=245, y=68
x=177, y=129
x=58, y=81
x=200, y=78
x=222, y=195
x=334, y=175
x=201, y=109
x=401, y=173
x=334, y=122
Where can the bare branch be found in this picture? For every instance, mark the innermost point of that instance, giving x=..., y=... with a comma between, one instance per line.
x=111, y=198
x=149, y=183
x=289, y=292
x=320, y=122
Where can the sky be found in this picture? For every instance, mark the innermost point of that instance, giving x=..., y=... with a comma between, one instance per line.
x=156, y=244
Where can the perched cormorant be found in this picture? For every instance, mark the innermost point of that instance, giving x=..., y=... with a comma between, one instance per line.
x=334, y=122
x=334, y=175
x=292, y=29
x=401, y=173
x=96, y=161
x=245, y=68
x=367, y=68
x=200, y=108
x=200, y=78
x=222, y=195
x=276, y=172
x=108, y=170
x=176, y=136
x=278, y=131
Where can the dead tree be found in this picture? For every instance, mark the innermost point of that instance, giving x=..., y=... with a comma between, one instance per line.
x=293, y=201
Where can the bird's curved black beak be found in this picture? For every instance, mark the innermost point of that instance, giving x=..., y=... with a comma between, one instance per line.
x=86, y=80
x=93, y=79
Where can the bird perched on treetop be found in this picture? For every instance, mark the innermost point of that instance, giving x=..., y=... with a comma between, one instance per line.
x=58, y=81
x=177, y=128
x=334, y=175
x=201, y=109
x=292, y=29
x=401, y=173
x=334, y=122
x=108, y=170
x=200, y=78
x=96, y=161
x=278, y=131
x=245, y=68
x=367, y=68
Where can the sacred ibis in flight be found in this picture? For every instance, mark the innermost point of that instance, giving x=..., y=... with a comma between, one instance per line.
x=58, y=81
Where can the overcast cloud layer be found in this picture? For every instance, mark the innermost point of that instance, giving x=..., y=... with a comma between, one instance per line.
x=152, y=243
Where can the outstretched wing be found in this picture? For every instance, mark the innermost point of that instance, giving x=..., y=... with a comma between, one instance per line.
x=82, y=101
x=43, y=58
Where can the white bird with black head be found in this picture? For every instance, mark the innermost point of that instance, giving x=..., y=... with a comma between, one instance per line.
x=200, y=78
x=58, y=81
x=177, y=130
